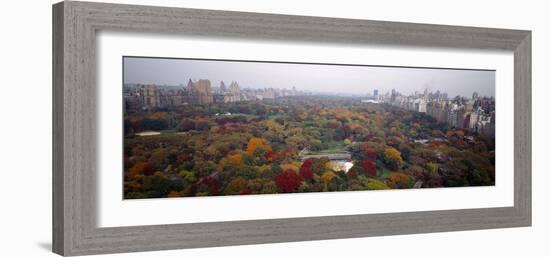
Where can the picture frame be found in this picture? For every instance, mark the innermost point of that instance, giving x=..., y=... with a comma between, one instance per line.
x=75, y=25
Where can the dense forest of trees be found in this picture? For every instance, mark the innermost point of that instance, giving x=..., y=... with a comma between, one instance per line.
x=253, y=148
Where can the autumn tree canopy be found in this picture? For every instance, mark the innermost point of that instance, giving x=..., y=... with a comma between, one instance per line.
x=282, y=145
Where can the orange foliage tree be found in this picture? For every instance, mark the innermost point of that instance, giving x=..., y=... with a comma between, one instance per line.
x=174, y=194
x=139, y=168
x=257, y=143
x=400, y=180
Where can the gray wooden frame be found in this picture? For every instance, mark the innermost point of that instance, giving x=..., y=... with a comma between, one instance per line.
x=74, y=129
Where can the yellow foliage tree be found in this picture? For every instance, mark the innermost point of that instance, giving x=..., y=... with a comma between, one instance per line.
x=236, y=158
x=273, y=126
x=393, y=155
x=374, y=184
x=290, y=166
x=327, y=177
x=432, y=167
x=331, y=166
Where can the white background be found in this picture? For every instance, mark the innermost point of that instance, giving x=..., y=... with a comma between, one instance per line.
x=25, y=108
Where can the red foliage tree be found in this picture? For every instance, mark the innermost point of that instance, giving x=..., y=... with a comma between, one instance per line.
x=370, y=168
x=306, y=172
x=246, y=191
x=287, y=181
x=212, y=183
x=370, y=154
x=270, y=155
x=307, y=163
x=352, y=173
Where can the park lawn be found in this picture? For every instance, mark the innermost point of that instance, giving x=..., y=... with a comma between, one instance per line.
x=168, y=131
x=275, y=116
x=333, y=147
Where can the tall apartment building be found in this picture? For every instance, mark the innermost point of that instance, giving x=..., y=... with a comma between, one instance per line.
x=233, y=93
x=150, y=96
x=200, y=91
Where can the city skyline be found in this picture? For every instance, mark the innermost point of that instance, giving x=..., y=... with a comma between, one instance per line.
x=319, y=78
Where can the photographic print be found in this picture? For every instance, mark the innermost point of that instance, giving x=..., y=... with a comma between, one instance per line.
x=197, y=127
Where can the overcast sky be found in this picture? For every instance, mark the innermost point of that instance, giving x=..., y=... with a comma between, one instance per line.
x=310, y=77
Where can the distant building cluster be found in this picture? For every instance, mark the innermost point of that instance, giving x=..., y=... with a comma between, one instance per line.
x=476, y=114
x=144, y=97
x=227, y=94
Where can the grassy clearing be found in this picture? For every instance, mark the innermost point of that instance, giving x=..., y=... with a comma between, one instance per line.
x=275, y=116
